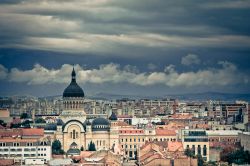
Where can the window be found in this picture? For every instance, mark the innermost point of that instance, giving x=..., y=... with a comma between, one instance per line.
x=130, y=140
x=16, y=144
x=134, y=140
x=71, y=135
x=74, y=134
x=29, y=144
x=139, y=140
x=193, y=148
x=130, y=153
x=2, y=144
x=204, y=150
x=199, y=149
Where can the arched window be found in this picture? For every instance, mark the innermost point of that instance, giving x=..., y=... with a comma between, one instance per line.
x=74, y=134
x=193, y=148
x=199, y=149
x=71, y=135
x=204, y=150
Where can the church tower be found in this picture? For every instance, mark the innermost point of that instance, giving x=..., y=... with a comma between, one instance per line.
x=114, y=131
x=73, y=101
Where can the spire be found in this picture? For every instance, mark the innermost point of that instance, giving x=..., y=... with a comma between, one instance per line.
x=73, y=75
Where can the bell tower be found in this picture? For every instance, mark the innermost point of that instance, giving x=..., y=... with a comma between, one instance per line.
x=73, y=101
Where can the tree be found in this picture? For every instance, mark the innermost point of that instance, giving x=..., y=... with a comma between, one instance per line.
x=17, y=125
x=236, y=156
x=200, y=160
x=2, y=123
x=57, y=147
x=189, y=152
x=24, y=116
x=82, y=149
x=92, y=146
x=26, y=123
x=40, y=120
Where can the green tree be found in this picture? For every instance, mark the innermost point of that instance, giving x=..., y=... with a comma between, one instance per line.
x=200, y=160
x=2, y=123
x=57, y=147
x=17, y=125
x=189, y=152
x=236, y=156
x=92, y=146
x=24, y=116
x=82, y=149
x=26, y=123
x=40, y=120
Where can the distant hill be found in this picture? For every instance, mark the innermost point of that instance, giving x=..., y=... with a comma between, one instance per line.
x=212, y=96
x=187, y=96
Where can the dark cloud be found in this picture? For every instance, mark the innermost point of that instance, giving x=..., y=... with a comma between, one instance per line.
x=148, y=35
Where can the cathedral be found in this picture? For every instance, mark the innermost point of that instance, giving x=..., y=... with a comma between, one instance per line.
x=75, y=130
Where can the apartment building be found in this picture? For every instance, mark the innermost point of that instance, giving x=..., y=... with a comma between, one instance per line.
x=197, y=141
x=22, y=144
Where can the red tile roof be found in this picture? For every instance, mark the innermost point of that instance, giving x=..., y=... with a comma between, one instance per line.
x=121, y=123
x=165, y=132
x=17, y=140
x=33, y=132
x=10, y=132
x=175, y=146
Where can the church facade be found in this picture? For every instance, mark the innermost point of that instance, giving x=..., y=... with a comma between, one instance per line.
x=76, y=131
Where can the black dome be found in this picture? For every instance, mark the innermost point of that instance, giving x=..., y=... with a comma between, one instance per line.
x=73, y=90
x=100, y=124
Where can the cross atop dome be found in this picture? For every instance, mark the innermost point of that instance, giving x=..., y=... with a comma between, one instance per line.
x=73, y=74
x=73, y=90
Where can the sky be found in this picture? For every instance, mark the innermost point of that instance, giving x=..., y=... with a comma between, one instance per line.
x=132, y=47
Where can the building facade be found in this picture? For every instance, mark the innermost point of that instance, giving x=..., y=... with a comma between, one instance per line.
x=74, y=128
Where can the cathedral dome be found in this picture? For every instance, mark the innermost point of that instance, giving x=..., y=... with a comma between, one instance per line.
x=73, y=90
x=100, y=124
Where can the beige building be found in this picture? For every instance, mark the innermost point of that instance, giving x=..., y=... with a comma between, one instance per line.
x=197, y=141
x=245, y=140
x=75, y=131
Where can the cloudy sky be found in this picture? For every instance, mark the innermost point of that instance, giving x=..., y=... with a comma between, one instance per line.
x=139, y=47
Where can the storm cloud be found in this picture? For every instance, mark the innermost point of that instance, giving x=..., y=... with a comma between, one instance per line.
x=141, y=43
